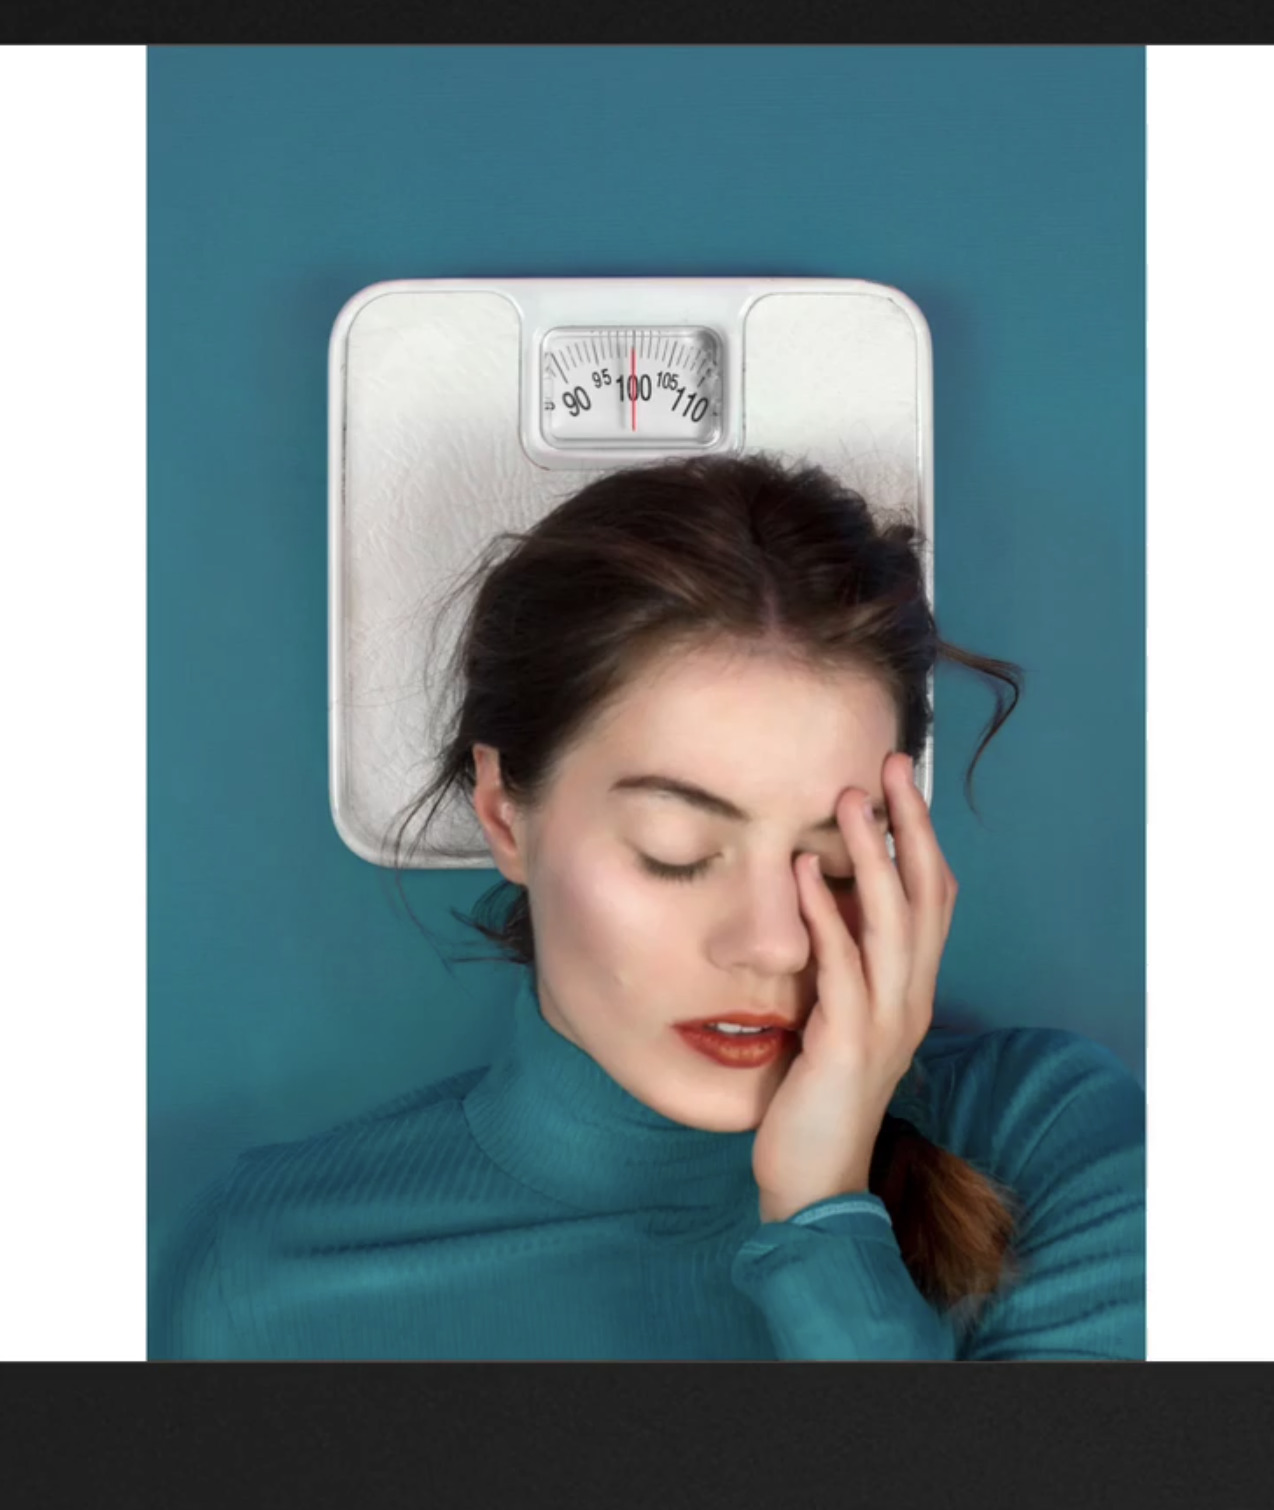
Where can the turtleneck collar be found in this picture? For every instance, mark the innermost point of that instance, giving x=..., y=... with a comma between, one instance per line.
x=553, y=1118
x=549, y=1115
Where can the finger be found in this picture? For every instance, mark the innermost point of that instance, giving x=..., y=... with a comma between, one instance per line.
x=922, y=868
x=925, y=875
x=886, y=933
x=840, y=970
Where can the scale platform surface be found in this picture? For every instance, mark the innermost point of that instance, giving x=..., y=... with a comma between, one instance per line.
x=462, y=409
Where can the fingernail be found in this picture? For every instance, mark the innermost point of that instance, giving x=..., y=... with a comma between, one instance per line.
x=869, y=811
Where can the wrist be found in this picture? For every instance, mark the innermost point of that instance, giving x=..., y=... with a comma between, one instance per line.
x=775, y=1208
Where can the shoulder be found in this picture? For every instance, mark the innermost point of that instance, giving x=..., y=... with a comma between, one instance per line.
x=1020, y=1098
x=358, y=1182
x=310, y=1191
x=1057, y=1120
x=1017, y=1052
x=364, y=1151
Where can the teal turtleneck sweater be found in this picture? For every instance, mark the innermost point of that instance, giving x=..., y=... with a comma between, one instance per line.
x=534, y=1209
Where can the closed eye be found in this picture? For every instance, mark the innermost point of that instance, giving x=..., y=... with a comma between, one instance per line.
x=666, y=872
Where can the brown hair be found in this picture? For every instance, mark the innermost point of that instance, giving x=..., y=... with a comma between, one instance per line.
x=681, y=553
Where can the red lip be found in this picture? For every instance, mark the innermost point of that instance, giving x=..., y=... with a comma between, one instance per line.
x=739, y=1053
x=745, y=1020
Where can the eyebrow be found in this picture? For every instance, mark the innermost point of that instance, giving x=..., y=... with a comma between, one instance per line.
x=709, y=802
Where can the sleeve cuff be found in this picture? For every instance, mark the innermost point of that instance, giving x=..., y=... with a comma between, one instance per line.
x=832, y=1284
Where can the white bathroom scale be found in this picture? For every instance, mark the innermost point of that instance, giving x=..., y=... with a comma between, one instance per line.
x=460, y=409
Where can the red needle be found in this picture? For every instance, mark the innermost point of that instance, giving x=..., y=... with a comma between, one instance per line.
x=634, y=389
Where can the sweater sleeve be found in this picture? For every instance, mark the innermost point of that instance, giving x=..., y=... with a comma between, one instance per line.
x=1063, y=1125
x=832, y=1284
x=190, y=1318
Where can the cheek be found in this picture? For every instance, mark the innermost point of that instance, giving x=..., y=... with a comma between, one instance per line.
x=600, y=906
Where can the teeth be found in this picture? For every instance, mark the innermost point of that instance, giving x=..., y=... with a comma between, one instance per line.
x=730, y=1027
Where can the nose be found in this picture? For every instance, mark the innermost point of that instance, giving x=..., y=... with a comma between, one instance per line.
x=764, y=930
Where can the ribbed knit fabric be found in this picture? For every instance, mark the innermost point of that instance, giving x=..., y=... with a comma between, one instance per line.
x=535, y=1209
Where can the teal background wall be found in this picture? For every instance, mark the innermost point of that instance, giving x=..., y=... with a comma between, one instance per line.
x=1002, y=188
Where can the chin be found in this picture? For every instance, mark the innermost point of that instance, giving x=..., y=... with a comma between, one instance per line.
x=723, y=1115
x=746, y=1122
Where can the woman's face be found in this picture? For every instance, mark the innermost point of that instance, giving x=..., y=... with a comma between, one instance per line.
x=623, y=954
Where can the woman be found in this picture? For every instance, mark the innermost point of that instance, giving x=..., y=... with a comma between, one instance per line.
x=689, y=703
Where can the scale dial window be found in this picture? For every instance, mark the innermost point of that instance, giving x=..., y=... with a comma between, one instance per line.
x=614, y=386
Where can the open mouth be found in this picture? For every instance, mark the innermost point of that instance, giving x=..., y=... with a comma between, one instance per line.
x=738, y=1050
